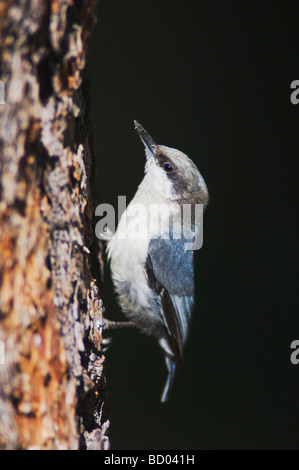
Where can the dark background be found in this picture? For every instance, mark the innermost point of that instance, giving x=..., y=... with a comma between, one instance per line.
x=213, y=80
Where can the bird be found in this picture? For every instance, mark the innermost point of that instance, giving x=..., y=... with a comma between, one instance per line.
x=152, y=271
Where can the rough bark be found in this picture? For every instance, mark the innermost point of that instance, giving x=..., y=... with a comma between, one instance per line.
x=52, y=393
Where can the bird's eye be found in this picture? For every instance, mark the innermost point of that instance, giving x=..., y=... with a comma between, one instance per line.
x=167, y=167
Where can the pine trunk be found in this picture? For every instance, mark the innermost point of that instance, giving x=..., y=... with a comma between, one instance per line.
x=52, y=393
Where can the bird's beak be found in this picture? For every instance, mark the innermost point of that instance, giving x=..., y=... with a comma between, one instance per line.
x=146, y=139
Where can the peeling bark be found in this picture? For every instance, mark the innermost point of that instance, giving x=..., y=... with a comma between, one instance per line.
x=52, y=388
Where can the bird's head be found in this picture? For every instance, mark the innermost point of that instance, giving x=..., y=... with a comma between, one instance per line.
x=172, y=172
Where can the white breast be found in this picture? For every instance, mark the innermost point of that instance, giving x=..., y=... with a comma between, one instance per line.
x=128, y=249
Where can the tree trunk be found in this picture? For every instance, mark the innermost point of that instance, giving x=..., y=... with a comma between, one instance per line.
x=52, y=393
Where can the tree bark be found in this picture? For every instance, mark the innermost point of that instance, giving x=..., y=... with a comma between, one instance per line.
x=52, y=388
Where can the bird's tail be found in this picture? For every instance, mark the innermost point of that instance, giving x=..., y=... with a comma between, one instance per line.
x=171, y=367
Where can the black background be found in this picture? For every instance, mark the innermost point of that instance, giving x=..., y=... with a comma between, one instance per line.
x=213, y=80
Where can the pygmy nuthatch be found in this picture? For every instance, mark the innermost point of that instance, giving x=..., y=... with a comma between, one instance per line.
x=152, y=271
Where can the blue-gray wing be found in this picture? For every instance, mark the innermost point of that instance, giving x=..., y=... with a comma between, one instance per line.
x=170, y=270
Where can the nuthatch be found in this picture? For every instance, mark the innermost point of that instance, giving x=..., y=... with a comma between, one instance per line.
x=152, y=272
